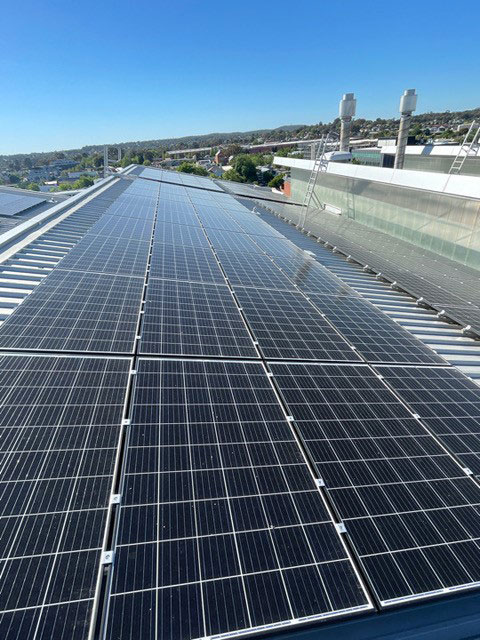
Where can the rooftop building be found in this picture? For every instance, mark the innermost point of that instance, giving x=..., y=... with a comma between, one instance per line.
x=214, y=426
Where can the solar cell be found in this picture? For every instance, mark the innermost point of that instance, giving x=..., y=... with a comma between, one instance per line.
x=410, y=511
x=287, y=326
x=54, y=497
x=114, y=255
x=447, y=402
x=193, y=319
x=221, y=528
x=76, y=311
x=375, y=336
x=178, y=262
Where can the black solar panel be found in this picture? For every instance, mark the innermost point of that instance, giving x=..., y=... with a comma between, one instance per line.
x=448, y=404
x=376, y=337
x=118, y=256
x=185, y=263
x=180, y=234
x=287, y=326
x=254, y=270
x=222, y=528
x=193, y=319
x=75, y=311
x=409, y=510
x=121, y=227
x=60, y=430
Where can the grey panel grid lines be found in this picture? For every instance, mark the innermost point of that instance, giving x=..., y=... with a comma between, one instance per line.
x=447, y=402
x=76, y=311
x=221, y=528
x=186, y=318
x=180, y=262
x=60, y=430
x=288, y=327
x=376, y=337
x=410, y=511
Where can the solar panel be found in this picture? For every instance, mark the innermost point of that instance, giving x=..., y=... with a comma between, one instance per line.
x=193, y=319
x=60, y=430
x=410, y=511
x=375, y=336
x=114, y=255
x=221, y=527
x=180, y=234
x=287, y=326
x=447, y=402
x=254, y=270
x=76, y=311
x=184, y=263
x=11, y=204
x=121, y=227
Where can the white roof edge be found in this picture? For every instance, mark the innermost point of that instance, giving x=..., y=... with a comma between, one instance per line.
x=456, y=185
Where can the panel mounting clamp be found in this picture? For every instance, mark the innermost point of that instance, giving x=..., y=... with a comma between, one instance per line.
x=468, y=471
x=290, y=418
x=115, y=498
x=107, y=557
x=320, y=482
x=341, y=528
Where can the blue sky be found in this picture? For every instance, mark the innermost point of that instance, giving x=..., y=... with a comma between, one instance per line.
x=110, y=71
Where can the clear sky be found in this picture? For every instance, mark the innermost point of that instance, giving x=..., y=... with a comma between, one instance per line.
x=107, y=71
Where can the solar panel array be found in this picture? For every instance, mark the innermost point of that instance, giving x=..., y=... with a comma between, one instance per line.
x=207, y=433
x=12, y=203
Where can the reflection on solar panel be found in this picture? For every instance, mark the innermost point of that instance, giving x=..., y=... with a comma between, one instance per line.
x=410, y=511
x=60, y=430
x=447, y=402
x=376, y=337
x=12, y=203
x=185, y=263
x=309, y=275
x=193, y=319
x=222, y=528
x=180, y=178
x=287, y=326
x=75, y=311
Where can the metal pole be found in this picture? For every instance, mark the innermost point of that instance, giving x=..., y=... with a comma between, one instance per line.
x=105, y=161
x=346, y=111
x=408, y=104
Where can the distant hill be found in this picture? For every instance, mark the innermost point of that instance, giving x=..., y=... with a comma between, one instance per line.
x=360, y=127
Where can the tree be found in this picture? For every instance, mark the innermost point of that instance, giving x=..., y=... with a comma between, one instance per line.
x=277, y=182
x=13, y=179
x=245, y=167
x=232, y=175
x=189, y=167
x=33, y=186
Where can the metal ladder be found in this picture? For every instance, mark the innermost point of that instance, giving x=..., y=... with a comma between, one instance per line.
x=319, y=166
x=466, y=148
